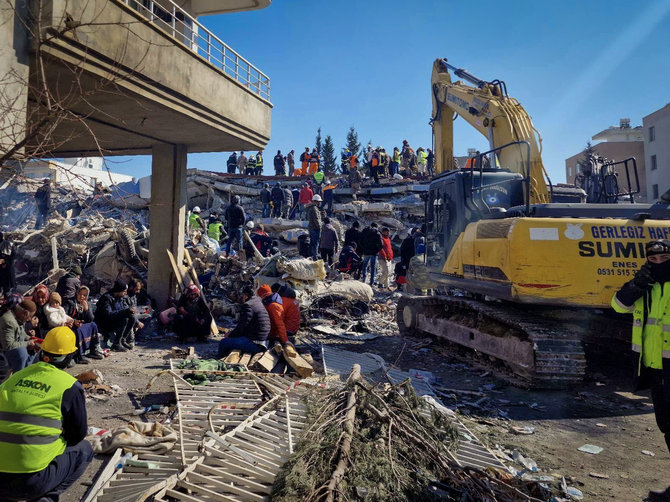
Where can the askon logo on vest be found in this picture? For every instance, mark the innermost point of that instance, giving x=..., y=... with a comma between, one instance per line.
x=34, y=385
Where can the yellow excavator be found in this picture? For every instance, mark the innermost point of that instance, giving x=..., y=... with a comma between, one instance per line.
x=510, y=273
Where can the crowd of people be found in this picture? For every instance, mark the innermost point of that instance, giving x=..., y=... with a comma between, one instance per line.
x=374, y=162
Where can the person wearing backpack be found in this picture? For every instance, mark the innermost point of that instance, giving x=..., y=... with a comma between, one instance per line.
x=235, y=219
x=371, y=245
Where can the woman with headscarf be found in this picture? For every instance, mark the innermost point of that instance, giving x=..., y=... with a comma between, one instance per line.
x=40, y=322
x=88, y=339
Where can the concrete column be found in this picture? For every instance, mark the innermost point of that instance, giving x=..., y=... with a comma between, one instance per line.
x=166, y=218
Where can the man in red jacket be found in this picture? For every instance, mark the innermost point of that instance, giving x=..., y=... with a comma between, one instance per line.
x=305, y=197
x=385, y=259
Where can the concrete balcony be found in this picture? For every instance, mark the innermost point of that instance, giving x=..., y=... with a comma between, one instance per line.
x=136, y=74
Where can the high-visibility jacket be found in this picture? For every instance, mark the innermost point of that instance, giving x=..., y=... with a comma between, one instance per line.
x=31, y=419
x=318, y=177
x=421, y=157
x=471, y=162
x=194, y=221
x=214, y=230
x=396, y=156
x=306, y=158
x=650, y=338
x=259, y=161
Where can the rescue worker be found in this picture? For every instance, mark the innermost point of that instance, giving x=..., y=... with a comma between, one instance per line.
x=259, y=164
x=235, y=219
x=242, y=162
x=195, y=222
x=291, y=309
x=305, y=158
x=251, y=166
x=43, y=425
x=430, y=162
x=215, y=228
x=313, y=214
x=290, y=160
x=318, y=180
x=329, y=196
x=280, y=164
x=421, y=161
x=395, y=162
x=346, y=158
x=277, y=195
x=646, y=297
x=314, y=160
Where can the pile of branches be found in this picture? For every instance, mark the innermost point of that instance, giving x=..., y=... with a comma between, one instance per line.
x=383, y=443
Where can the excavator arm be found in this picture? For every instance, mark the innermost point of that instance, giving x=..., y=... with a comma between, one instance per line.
x=485, y=106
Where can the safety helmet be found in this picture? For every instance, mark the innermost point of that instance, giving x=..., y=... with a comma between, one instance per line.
x=249, y=224
x=236, y=199
x=60, y=341
x=192, y=288
x=196, y=209
x=317, y=198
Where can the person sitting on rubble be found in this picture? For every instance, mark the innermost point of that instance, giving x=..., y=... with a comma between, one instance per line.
x=235, y=219
x=67, y=287
x=195, y=223
x=55, y=312
x=114, y=317
x=43, y=450
x=353, y=234
x=261, y=240
x=193, y=317
x=328, y=244
x=15, y=343
x=273, y=304
x=277, y=195
x=253, y=327
x=304, y=246
x=85, y=328
x=7, y=273
x=349, y=261
x=400, y=271
x=41, y=299
x=291, y=309
x=134, y=299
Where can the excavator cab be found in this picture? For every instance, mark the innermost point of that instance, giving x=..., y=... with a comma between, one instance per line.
x=462, y=196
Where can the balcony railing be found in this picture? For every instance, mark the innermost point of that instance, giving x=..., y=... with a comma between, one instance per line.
x=183, y=27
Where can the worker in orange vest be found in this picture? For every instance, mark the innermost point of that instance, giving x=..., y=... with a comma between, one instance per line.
x=313, y=162
x=304, y=162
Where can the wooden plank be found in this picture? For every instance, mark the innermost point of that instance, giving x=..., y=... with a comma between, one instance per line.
x=104, y=476
x=254, y=358
x=233, y=478
x=245, y=359
x=233, y=357
x=301, y=367
x=214, y=330
x=267, y=361
x=179, y=273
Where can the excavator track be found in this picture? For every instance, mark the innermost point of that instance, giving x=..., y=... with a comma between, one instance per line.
x=540, y=352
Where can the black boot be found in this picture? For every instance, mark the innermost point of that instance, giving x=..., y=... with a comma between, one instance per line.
x=659, y=496
x=117, y=347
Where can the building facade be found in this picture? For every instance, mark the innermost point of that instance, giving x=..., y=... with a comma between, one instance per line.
x=617, y=144
x=656, y=127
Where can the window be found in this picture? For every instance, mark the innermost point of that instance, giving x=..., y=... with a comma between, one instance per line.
x=569, y=171
x=653, y=163
x=654, y=189
x=652, y=134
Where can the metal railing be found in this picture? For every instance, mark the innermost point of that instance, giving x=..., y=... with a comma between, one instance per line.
x=186, y=29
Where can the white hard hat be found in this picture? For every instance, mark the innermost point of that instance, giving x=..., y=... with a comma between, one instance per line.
x=317, y=198
x=196, y=209
x=249, y=224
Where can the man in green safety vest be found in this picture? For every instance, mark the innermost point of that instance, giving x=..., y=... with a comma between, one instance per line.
x=647, y=297
x=318, y=177
x=259, y=163
x=43, y=425
x=194, y=220
x=215, y=229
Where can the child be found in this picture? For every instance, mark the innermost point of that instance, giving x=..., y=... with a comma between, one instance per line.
x=400, y=275
x=56, y=315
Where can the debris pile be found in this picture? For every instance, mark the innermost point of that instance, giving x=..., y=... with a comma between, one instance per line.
x=383, y=443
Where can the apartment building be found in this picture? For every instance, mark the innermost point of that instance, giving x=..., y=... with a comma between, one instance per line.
x=656, y=127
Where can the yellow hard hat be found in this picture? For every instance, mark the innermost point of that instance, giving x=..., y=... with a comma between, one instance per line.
x=59, y=341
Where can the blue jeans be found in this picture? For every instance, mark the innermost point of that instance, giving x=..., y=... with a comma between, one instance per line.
x=371, y=260
x=234, y=233
x=17, y=359
x=241, y=343
x=265, y=213
x=51, y=481
x=328, y=206
x=314, y=238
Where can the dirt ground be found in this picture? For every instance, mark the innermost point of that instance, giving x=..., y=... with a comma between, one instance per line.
x=601, y=412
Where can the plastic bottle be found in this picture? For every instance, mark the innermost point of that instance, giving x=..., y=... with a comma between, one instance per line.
x=96, y=431
x=123, y=460
x=153, y=407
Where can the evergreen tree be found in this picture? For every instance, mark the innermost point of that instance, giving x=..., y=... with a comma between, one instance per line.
x=328, y=157
x=318, y=145
x=588, y=153
x=353, y=144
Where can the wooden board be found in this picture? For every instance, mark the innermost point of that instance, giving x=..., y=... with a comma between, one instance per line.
x=245, y=359
x=214, y=330
x=233, y=357
x=267, y=361
x=301, y=367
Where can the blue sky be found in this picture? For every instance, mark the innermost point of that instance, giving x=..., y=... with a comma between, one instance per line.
x=576, y=66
